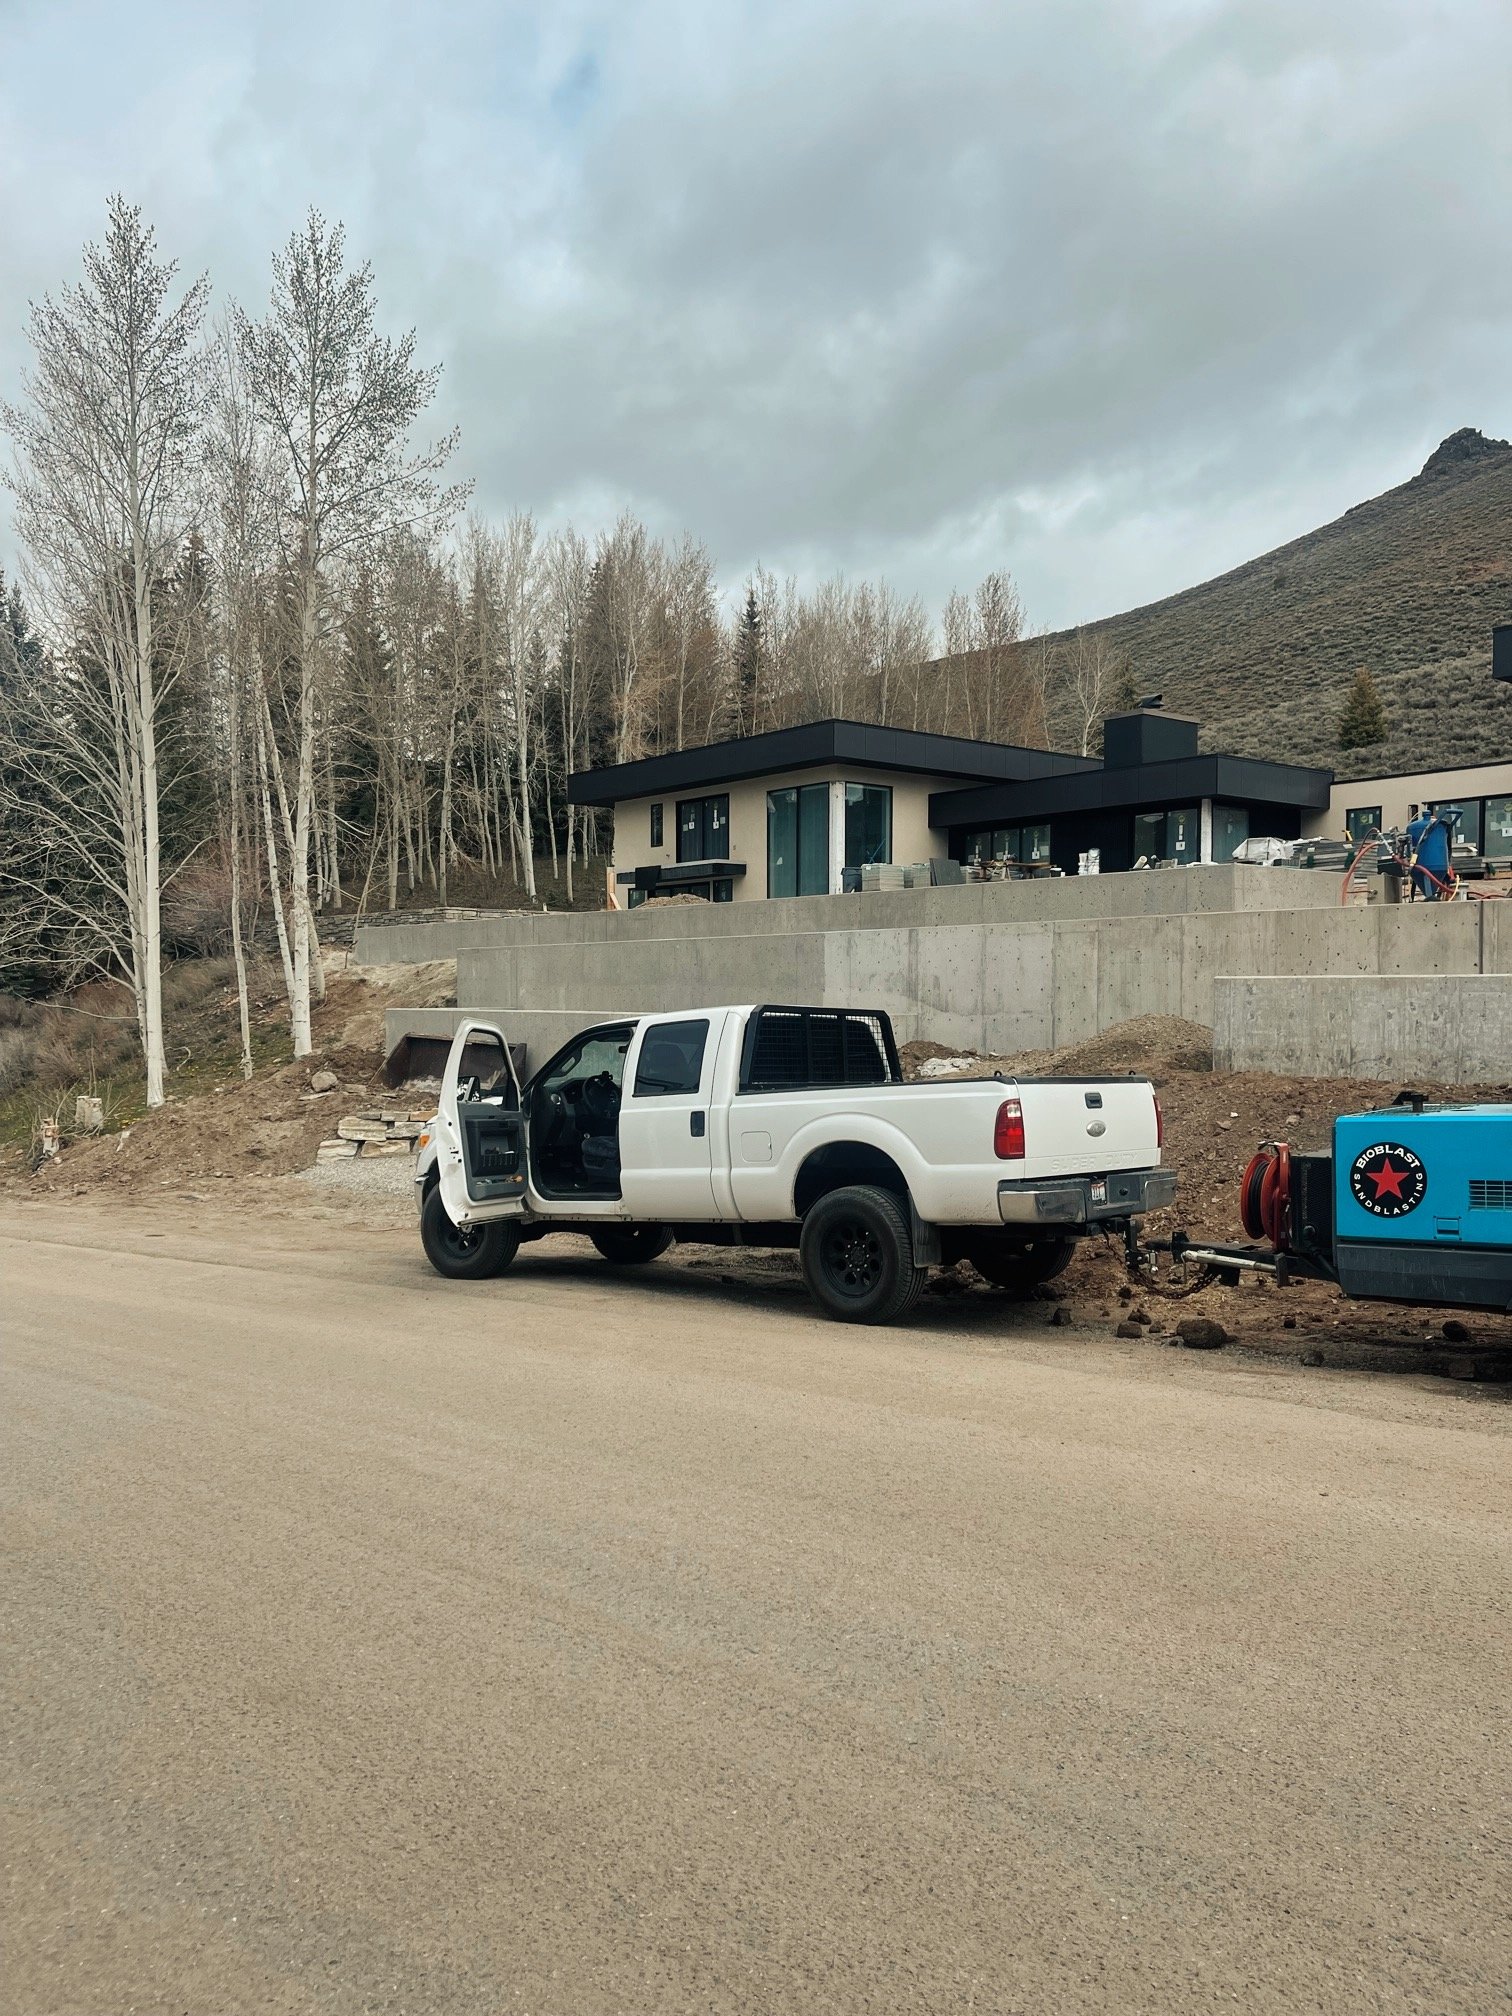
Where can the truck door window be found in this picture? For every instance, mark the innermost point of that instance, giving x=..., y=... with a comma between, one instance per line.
x=575, y=1117
x=485, y=1072
x=671, y=1059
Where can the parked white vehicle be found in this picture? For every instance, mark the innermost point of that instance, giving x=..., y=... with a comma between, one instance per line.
x=780, y=1126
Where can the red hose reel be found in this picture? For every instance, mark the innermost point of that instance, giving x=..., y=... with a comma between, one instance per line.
x=1265, y=1196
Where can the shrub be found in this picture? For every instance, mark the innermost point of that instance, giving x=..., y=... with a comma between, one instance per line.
x=18, y=1057
x=197, y=911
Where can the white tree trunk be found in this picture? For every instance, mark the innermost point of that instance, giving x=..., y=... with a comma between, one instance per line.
x=275, y=871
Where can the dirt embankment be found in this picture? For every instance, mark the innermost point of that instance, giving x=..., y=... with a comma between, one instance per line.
x=240, y=1131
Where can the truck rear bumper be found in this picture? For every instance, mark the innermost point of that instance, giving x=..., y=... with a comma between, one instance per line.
x=1086, y=1200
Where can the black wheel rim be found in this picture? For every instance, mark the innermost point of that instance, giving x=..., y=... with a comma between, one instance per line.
x=852, y=1257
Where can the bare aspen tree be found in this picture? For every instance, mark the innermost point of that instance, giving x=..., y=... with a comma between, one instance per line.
x=632, y=565
x=241, y=546
x=1090, y=671
x=567, y=570
x=516, y=585
x=999, y=628
x=104, y=445
x=986, y=685
x=1039, y=677
x=339, y=401
x=690, y=630
x=958, y=690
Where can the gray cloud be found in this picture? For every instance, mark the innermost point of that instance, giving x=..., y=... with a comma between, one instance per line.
x=1114, y=293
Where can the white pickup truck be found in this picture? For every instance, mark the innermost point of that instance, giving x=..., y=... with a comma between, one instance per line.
x=779, y=1126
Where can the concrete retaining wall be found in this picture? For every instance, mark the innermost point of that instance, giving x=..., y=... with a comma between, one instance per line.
x=1160, y=893
x=1415, y=1028
x=996, y=987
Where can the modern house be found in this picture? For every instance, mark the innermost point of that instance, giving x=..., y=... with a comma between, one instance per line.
x=1482, y=791
x=804, y=811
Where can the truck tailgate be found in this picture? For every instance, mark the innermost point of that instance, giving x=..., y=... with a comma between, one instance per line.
x=1076, y=1125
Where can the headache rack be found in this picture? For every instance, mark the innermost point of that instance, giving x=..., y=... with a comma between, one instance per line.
x=801, y=1049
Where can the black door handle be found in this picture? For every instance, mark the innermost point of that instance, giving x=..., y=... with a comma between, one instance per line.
x=696, y=1125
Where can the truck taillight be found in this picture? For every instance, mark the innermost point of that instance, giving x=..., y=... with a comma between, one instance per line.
x=1159, y=1122
x=1008, y=1134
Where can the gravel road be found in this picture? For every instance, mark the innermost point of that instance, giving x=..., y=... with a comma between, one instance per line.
x=582, y=1646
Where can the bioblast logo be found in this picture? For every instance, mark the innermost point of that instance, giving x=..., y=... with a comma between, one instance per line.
x=1388, y=1180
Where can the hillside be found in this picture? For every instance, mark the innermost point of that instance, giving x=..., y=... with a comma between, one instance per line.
x=1409, y=584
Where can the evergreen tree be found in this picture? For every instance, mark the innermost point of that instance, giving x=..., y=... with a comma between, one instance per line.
x=20, y=647
x=748, y=647
x=27, y=946
x=1363, y=720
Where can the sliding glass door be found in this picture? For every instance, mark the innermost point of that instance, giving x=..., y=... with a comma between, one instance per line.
x=798, y=841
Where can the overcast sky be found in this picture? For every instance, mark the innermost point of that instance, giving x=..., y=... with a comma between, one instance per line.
x=1112, y=293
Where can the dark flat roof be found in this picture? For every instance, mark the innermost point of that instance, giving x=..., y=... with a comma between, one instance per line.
x=1184, y=780
x=818, y=743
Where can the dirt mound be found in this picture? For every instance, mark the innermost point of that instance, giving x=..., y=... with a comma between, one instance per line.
x=1149, y=1043
x=269, y=1125
x=357, y=996
x=1153, y=1044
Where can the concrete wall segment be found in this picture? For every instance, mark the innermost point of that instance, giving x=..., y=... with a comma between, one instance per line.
x=1212, y=889
x=1406, y=1028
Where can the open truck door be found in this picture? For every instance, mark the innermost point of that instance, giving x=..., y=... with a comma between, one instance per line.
x=482, y=1148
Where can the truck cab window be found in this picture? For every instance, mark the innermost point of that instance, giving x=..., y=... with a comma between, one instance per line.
x=671, y=1059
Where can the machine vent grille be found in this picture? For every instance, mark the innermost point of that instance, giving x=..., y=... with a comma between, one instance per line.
x=1491, y=1193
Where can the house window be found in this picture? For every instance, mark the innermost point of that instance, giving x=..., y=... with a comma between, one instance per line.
x=868, y=824
x=656, y=825
x=798, y=841
x=703, y=828
x=1360, y=822
x=1015, y=844
x=1169, y=836
x=1468, y=825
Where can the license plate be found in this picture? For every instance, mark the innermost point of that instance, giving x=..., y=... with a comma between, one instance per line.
x=1099, y=1189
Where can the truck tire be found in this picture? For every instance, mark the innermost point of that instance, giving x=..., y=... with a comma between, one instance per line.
x=632, y=1245
x=1020, y=1265
x=857, y=1255
x=464, y=1252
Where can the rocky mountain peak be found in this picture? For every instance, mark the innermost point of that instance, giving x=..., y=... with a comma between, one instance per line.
x=1465, y=445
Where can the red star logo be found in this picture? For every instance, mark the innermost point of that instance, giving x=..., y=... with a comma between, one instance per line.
x=1388, y=1181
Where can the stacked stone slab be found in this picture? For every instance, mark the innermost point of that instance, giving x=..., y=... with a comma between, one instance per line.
x=375, y=1131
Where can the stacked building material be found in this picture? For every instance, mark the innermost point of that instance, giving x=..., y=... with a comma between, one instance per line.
x=376, y=1130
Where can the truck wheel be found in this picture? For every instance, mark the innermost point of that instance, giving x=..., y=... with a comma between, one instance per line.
x=632, y=1245
x=464, y=1252
x=857, y=1254
x=1020, y=1265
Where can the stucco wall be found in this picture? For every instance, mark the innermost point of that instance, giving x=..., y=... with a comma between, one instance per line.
x=1397, y=795
x=913, y=837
